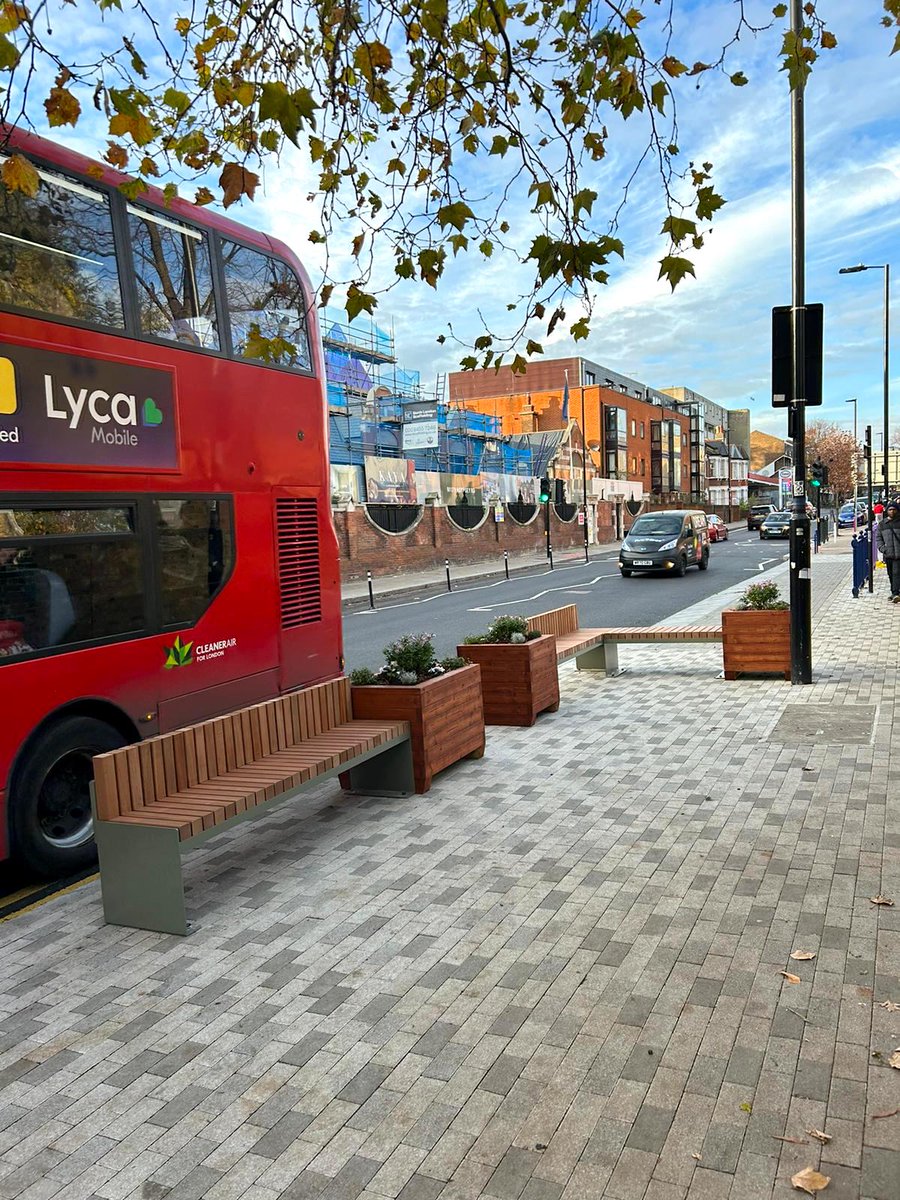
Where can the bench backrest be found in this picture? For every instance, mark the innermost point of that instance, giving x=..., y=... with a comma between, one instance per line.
x=127, y=780
x=558, y=621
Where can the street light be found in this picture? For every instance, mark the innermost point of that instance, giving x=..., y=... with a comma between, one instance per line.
x=886, y=267
x=855, y=462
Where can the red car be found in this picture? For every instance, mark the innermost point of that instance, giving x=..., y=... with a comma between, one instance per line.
x=718, y=530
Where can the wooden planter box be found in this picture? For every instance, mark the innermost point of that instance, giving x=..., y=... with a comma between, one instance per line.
x=445, y=715
x=517, y=681
x=756, y=642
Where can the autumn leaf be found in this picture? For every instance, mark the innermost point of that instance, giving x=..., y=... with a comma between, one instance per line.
x=881, y=900
x=62, y=107
x=810, y=1181
x=829, y=41
x=789, y=977
x=890, y=1005
x=894, y=1060
x=824, y=1138
x=236, y=181
x=20, y=176
x=881, y=1116
x=802, y=955
x=674, y=269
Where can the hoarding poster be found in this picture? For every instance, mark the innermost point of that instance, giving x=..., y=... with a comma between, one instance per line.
x=390, y=480
x=347, y=483
x=499, y=488
x=461, y=489
x=428, y=486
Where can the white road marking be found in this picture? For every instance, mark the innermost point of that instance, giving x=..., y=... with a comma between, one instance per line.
x=537, y=596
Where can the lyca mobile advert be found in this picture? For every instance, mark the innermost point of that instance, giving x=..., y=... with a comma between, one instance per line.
x=62, y=408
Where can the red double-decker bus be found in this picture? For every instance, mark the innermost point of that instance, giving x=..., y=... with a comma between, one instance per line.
x=166, y=545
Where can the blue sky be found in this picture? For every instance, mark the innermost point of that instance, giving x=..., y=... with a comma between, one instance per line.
x=713, y=334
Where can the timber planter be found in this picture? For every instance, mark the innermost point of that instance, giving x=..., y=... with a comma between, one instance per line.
x=517, y=680
x=756, y=642
x=446, y=717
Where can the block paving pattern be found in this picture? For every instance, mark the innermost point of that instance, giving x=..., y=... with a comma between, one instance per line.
x=558, y=976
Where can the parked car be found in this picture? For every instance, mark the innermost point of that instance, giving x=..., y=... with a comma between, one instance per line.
x=669, y=541
x=776, y=525
x=758, y=513
x=718, y=530
x=845, y=515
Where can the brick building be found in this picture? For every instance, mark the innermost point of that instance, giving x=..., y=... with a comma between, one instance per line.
x=635, y=433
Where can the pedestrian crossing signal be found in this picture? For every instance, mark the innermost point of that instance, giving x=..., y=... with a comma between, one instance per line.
x=545, y=490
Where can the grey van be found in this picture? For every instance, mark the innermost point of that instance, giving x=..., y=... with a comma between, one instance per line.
x=669, y=541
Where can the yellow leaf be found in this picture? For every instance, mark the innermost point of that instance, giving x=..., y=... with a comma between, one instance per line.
x=789, y=977
x=20, y=176
x=62, y=107
x=829, y=41
x=810, y=1181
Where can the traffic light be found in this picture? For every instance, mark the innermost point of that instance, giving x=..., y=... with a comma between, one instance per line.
x=816, y=475
x=560, y=496
x=545, y=490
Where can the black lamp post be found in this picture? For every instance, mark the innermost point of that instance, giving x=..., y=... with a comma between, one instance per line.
x=886, y=267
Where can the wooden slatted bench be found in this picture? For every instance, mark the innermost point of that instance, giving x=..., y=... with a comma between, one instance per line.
x=153, y=799
x=598, y=649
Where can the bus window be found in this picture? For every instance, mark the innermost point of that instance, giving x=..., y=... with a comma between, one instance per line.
x=57, y=254
x=174, y=279
x=265, y=301
x=195, y=542
x=67, y=576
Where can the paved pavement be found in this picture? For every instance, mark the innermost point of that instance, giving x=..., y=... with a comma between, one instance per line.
x=557, y=975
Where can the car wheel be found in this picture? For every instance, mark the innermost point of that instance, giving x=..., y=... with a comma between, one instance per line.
x=626, y=574
x=703, y=564
x=50, y=815
x=681, y=569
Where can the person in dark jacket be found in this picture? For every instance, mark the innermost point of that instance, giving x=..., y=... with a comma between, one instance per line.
x=888, y=539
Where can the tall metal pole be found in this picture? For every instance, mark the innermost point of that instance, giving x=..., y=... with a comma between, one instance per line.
x=871, y=509
x=584, y=478
x=887, y=402
x=801, y=589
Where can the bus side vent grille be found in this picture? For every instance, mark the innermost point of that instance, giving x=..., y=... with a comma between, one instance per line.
x=298, y=562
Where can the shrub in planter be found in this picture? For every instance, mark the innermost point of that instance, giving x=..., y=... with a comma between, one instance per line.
x=756, y=633
x=519, y=675
x=441, y=700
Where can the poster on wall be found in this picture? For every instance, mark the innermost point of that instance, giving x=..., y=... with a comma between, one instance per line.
x=347, y=483
x=461, y=489
x=390, y=480
x=428, y=486
x=499, y=488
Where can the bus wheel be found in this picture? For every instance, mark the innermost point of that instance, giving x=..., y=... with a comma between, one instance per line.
x=50, y=815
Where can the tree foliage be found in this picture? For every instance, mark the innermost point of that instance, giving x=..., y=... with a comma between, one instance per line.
x=826, y=442
x=422, y=119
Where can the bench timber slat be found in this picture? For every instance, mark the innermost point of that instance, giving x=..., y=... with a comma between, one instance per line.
x=152, y=799
x=597, y=649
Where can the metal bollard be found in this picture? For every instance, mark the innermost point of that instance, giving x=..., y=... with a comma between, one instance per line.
x=371, y=592
x=550, y=555
x=447, y=568
x=506, y=562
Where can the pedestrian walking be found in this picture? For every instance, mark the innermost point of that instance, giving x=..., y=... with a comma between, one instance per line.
x=888, y=539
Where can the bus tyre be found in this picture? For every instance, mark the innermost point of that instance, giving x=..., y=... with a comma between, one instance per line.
x=50, y=811
x=704, y=561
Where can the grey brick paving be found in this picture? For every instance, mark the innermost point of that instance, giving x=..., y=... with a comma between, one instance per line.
x=556, y=977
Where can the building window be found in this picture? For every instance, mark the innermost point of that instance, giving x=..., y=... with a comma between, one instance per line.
x=643, y=466
x=634, y=428
x=590, y=378
x=634, y=466
x=642, y=429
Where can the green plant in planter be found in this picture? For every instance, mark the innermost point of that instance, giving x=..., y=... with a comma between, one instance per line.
x=411, y=659
x=504, y=629
x=762, y=597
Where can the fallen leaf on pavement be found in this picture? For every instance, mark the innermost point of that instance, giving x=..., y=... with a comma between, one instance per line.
x=880, y=1116
x=810, y=1181
x=747, y=1107
x=889, y=1005
x=894, y=1060
x=802, y=955
x=824, y=1138
x=698, y=1157
x=881, y=900
x=789, y=977
x=793, y=1141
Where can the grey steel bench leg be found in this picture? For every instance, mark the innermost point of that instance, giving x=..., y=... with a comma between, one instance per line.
x=604, y=657
x=140, y=876
x=388, y=773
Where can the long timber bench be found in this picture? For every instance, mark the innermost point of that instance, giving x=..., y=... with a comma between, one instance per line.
x=154, y=799
x=598, y=649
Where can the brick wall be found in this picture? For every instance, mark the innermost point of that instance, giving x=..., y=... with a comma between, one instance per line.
x=364, y=547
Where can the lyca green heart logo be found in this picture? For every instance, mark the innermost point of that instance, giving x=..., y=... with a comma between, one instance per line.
x=152, y=413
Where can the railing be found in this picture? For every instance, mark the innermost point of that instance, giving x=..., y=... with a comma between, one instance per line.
x=862, y=561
